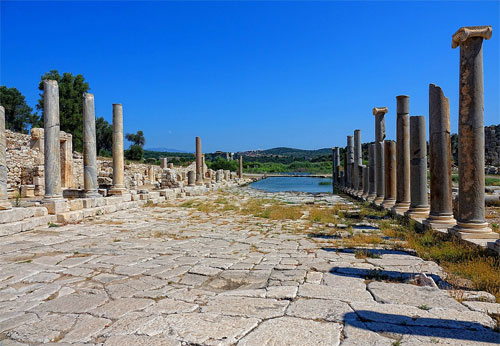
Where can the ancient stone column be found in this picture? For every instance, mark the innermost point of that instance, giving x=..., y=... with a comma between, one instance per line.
x=52, y=148
x=334, y=168
x=441, y=214
x=218, y=176
x=366, y=183
x=419, y=207
x=151, y=174
x=390, y=174
x=372, y=187
x=344, y=172
x=471, y=221
x=357, y=163
x=337, y=164
x=89, y=148
x=118, y=165
x=163, y=162
x=240, y=167
x=402, y=155
x=350, y=163
x=379, y=113
x=4, y=201
x=191, y=178
x=199, y=170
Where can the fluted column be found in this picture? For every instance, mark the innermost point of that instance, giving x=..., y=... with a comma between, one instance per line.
x=372, y=188
x=471, y=221
x=441, y=214
x=118, y=164
x=52, y=148
x=198, y=160
x=402, y=155
x=89, y=147
x=4, y=199
x=379, y=113
x=357, y=163
x=419, y=205
x=390, y=174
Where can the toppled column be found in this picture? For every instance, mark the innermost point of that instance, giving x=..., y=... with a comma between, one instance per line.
x=350, y=163
x=191, y=178
x=419, y=207
x=402, y=155
x=471, y=221
x=372, y=187
x=199, y=170
x=118, y=165
x=4, y=199
x=240, y=167
x=379, y=113
x=89, y=148
x=441, y=214
x=163, y=162
x=357, y=190
x=390, y=174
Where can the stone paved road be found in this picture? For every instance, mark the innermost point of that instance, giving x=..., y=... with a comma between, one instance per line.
x=177, y=276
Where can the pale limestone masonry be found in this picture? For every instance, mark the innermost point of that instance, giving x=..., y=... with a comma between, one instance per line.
x=492, y=150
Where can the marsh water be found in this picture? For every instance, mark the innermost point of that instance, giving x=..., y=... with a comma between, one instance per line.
x=299, y=184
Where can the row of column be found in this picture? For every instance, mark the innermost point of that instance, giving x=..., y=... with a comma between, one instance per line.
x=396, y=178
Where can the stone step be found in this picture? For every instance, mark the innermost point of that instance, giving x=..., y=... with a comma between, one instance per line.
x=26, y=225
x=19, y=214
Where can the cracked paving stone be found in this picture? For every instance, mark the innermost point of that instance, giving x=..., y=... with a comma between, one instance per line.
x=293, y=331
x=117, y=308
x=85, y=328
x=246, y=306
x=73, y=303
x=345, y=294
x=141, y=340
x=45, y=330
x=315, y=309
x=172, y=306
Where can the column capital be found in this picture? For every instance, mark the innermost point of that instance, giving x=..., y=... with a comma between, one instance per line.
x=88, y=96
x=466, y=32
x=380, y=110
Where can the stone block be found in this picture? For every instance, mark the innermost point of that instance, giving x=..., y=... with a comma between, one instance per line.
x=27, y=191
x=11, y=228
x=70, y=216
x=75, y=204
x=56, y=206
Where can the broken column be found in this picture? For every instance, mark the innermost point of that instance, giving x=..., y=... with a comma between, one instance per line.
x=419, y=207
x=402, y=154
x=372, y=187
x=52, y=163
x=379, y=113
x=390, y=174
x=118, y=165
x=89, y=148
x=357, y=190
x=191, y=178
x=471, y=221
x=350, y=163
x=199, y=169
x=240, y=167
x=4, y=201
x=163, y=162
x=441, y=213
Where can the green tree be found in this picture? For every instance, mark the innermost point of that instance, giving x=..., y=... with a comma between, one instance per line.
x=136, y=150
x=71, y=90
x=18, y=115
x=104, y=137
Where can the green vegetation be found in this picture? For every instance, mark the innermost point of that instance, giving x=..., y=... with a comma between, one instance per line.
x=295, y=166
x=18, y=115
x=136, y=149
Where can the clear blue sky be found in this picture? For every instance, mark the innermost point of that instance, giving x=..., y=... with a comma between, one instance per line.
x=249, y=75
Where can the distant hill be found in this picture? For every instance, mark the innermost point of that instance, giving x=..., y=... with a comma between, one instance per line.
x=288, y=152
x=167, y=150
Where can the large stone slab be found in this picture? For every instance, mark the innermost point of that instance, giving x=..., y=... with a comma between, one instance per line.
x=293, y=331
x=346, y=294
x=246, y=306
x=319, y=309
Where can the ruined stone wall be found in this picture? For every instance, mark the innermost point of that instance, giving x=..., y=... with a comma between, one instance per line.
x=492, y=143
x=25, y=165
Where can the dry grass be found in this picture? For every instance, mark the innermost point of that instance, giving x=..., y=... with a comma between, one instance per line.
x=324, y=215
x=362, y=240
x=271, y=209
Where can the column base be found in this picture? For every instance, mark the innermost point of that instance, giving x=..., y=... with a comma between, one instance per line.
x=5, y=205
x=440, y=221
x=371, y=197
x=388, y=203
x=418, y=213
x=378, y=200
x=117, y=191
x=469, y=230
x=55, y=205
x=92, y=194
x=400, y=208
x=364, y=196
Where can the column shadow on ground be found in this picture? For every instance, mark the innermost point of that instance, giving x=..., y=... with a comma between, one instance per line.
x=428, y=327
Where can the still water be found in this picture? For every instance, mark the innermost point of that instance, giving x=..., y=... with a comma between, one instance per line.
x=300, y=184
